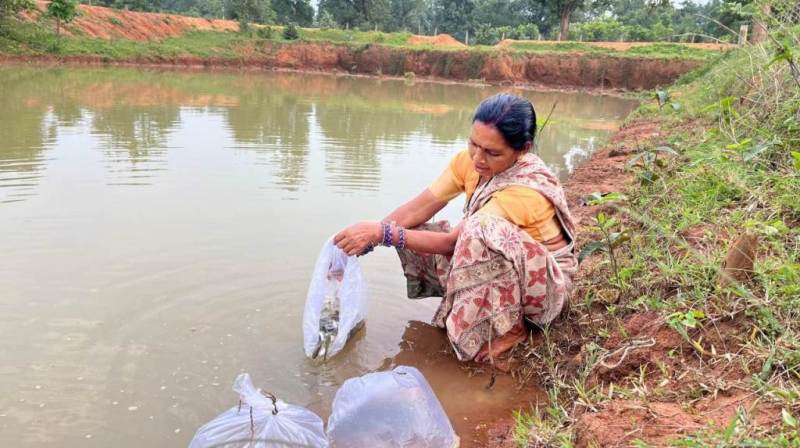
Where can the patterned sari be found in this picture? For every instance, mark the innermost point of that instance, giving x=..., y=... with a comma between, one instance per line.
x=498, y=275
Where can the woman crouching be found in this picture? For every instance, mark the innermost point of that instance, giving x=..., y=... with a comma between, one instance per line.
x=509, y=261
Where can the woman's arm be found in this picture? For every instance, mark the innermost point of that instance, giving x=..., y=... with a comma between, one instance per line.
x=416, y=211
x=356, y=238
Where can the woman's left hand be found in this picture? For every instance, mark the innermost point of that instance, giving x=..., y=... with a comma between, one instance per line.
x=355, y=239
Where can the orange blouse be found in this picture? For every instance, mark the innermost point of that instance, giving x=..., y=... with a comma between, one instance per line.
x=523, y=206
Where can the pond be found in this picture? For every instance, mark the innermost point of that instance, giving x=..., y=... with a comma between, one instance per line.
x=160, y=227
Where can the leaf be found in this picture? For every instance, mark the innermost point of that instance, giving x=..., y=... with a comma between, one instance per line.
x=676, y=106
x=796, y=157
x=788, y=419
x=731, y=427
x=609, y=223
x=667, y=149
x=591, y=248
x=753, y=153
x=598, y=198
x=632, y=162
x=618, y=238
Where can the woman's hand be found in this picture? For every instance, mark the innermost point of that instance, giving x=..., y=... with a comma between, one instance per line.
x=356, y=238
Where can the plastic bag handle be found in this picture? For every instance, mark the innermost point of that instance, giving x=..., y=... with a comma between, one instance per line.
x=274, y=401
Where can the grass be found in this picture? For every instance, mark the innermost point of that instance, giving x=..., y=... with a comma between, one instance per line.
x=22, y=38
x=661, y=50
x=734, y=128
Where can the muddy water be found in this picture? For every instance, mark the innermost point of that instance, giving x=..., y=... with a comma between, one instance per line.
x=158, y=231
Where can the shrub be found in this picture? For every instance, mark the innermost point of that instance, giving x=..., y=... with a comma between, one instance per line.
x=290, y=32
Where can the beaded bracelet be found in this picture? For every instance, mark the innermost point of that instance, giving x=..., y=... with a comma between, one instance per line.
x=387, y=234
x=401, y=238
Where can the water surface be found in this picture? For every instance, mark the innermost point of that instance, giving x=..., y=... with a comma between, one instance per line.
x=159, y=229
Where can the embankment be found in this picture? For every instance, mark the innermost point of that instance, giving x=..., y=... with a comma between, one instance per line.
x=497, y=67
x=107, y=36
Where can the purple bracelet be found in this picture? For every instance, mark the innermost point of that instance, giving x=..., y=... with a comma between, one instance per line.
x=401, y=238
x=387, y=234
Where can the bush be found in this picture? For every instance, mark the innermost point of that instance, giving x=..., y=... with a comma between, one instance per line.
x=264, y=32
x=290, y=32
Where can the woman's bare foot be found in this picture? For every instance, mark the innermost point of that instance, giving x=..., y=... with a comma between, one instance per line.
x=502, y=344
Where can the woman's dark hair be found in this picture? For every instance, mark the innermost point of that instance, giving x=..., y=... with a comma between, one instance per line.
x=512, y=115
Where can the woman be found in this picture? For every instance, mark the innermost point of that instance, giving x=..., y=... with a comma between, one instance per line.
x=510, y=260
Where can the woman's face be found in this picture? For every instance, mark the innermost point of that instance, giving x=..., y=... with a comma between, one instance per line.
x=489, y=151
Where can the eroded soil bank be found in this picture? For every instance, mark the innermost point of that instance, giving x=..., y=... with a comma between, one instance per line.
x=572, y=70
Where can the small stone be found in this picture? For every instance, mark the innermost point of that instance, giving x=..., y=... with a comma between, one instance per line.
x=163, y=387
x=115, y=403
x=177, y=430
x=88, y=436
x=41, y=405
x=37, y=387
x=133, y=408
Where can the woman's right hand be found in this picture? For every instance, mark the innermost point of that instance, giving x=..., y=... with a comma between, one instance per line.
x=355, y=239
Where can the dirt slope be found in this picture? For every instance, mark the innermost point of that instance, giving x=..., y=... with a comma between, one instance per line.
x=106, y=23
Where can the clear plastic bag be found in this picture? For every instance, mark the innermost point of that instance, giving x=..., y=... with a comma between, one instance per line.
x=261, y=420
x=336, y=305
x=389, y=409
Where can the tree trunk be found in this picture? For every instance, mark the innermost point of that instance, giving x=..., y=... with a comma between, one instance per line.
x=759, y=27
x=564, y=25
x=58, y=27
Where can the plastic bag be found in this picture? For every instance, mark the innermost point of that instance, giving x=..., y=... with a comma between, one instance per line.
x=261, y=421
x=336, y=305
x=389, y=409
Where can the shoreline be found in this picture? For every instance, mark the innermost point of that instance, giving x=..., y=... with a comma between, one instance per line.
x=227, y=66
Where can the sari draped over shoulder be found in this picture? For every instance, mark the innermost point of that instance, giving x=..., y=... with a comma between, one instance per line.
x=498, y=274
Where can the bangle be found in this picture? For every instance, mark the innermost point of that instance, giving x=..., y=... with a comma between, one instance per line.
x=387, y=234
x=401, y=238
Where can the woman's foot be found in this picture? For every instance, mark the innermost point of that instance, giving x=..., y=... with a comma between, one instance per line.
x=502, y=344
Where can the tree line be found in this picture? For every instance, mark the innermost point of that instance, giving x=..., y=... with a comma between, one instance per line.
x=478, y=21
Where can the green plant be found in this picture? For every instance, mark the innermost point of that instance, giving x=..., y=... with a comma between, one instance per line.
x=63, y=11
x=651, y=166
x=290, y=32
x=611, y=240
x=264, y=32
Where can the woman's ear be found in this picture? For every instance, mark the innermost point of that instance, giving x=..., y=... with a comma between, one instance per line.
x=526, y=148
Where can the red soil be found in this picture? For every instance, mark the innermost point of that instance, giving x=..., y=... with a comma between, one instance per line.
x=440, y=40
x=106, y=23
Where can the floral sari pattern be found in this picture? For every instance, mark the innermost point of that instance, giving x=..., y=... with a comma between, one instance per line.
x=498, y=275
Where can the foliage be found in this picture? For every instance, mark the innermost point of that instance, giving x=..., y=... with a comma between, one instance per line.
x=724, y=163
x=290, y=32
x=63, y=11
x=11, y=7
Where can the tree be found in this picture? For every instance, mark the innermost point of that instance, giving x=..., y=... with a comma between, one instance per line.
x=246, y=11
x=62, y=11
x=11, y=7
x=293, y=11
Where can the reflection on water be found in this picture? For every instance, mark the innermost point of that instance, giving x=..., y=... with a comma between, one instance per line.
x=160, y=227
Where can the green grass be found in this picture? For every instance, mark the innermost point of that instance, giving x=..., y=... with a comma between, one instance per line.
x=656, y=50
x=735, y=130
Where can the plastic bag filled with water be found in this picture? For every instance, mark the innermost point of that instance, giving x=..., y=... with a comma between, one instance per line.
x=336, y=305
x=261, y=420
x=389, y=409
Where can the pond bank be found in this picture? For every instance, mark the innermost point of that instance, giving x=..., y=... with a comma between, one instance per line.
x=556, y=70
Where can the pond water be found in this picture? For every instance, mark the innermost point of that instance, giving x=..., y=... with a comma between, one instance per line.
x=159, y=229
